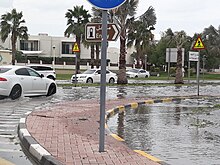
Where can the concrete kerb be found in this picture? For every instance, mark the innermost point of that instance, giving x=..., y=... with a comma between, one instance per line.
x=122, y=108
x=37, y=152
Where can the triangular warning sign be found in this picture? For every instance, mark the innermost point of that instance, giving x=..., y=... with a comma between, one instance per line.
x=75, y=47
x=199, y=44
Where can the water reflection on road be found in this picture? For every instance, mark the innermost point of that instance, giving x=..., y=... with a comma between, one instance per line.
x=177, y=133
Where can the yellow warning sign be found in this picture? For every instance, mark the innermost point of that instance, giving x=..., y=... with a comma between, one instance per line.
x=199, y=44
x=75, y=47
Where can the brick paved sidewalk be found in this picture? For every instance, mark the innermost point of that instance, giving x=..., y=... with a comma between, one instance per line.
x=70, y=132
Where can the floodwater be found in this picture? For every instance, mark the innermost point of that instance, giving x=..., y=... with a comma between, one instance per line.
x=183, y=133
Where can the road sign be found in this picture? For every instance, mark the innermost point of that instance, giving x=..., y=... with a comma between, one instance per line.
x=94, y=32
x=198, y=44
x=193, y=56
x=106, y=4
x=76, y=47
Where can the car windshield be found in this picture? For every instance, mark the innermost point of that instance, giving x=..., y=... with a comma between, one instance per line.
x=89, y=72
x=133, y=70
x=3, y=70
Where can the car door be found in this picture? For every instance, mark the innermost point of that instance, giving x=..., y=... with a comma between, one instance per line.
x=39, y=84
x=108, y=76
x=97, y=76
x=142, y=73
x=25, y=80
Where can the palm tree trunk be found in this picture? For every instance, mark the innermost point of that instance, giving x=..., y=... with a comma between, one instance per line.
x=179, y=73
x=138, y=59
x=92, y=55
x=13, y=41
x=122, y=79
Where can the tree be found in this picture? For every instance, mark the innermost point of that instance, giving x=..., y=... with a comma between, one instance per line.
x=76, y=20
x=211, y=38
x=124, y=17
x=140, y=34
x=179, y=39
x=12, y=24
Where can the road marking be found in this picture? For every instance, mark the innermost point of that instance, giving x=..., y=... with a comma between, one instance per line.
x=148, y=156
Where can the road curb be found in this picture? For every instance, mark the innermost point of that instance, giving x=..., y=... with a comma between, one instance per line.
x=119, y=109
x=37, y=152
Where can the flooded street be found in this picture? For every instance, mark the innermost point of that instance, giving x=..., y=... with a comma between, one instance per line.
x=12, y=110
x=185, y=132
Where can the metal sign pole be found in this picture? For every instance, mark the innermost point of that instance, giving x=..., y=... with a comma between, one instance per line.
x=103, y=82
x=169, y=64
x=75, y=69
x=198, y=72
x=188, y=72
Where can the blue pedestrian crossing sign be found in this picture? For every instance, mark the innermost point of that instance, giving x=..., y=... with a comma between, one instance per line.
x=106, y=4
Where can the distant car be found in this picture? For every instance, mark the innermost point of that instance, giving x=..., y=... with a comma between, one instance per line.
x=137, y=73
x=16, y=81
x=47, y=71
x=94, y=76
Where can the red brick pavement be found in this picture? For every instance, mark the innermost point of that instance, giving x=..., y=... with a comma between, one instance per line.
x=70, y=132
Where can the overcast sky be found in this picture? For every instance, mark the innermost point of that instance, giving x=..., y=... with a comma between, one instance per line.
x=48, y=16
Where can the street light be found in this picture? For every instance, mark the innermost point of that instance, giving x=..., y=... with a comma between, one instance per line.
x=53, y=63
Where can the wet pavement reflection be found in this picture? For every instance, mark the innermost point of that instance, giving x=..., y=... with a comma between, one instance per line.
x=185, y=132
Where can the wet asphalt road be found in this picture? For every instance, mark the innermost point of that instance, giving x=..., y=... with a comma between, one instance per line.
x=12, y=111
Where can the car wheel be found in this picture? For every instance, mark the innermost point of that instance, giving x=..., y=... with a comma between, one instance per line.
x=89, y=81
x=15, y=92
x=111, y=81
x=146, y=76
x=136, y=76
x=52, y=90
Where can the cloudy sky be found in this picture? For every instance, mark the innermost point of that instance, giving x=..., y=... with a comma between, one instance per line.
x=48, y=16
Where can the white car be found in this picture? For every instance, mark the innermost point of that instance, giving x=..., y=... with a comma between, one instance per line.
x=47, y=71
x=94, y=76
x=16, y=81
x=137, y=73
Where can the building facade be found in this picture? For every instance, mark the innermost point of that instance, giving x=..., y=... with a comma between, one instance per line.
x=43, y=45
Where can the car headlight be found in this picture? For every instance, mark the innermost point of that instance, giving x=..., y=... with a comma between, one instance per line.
x=82, y=76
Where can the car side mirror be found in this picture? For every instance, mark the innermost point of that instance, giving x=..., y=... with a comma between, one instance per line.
x=41, y=75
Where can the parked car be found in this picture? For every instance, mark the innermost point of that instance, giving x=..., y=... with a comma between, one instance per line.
x=137, y=73
x=16, y=81
x=47, y=71
x=94, y=76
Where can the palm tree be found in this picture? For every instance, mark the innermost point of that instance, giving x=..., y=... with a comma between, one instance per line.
x=140, y=34
x=76, y=20
x=11, y=24
x=124, y=17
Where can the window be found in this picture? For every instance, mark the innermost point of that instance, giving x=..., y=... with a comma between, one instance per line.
x=33, y=73
x=41, y=68
x=3, y=70
x=29, y=45
x=67, y=47
x=22, y=71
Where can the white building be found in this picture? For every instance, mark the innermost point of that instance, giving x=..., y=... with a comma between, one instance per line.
x=43, y=45
x=5, y=57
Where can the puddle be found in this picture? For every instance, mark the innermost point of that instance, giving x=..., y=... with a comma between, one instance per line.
x=177, y=133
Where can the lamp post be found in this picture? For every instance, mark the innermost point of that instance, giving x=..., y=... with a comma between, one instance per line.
x=53, y=63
